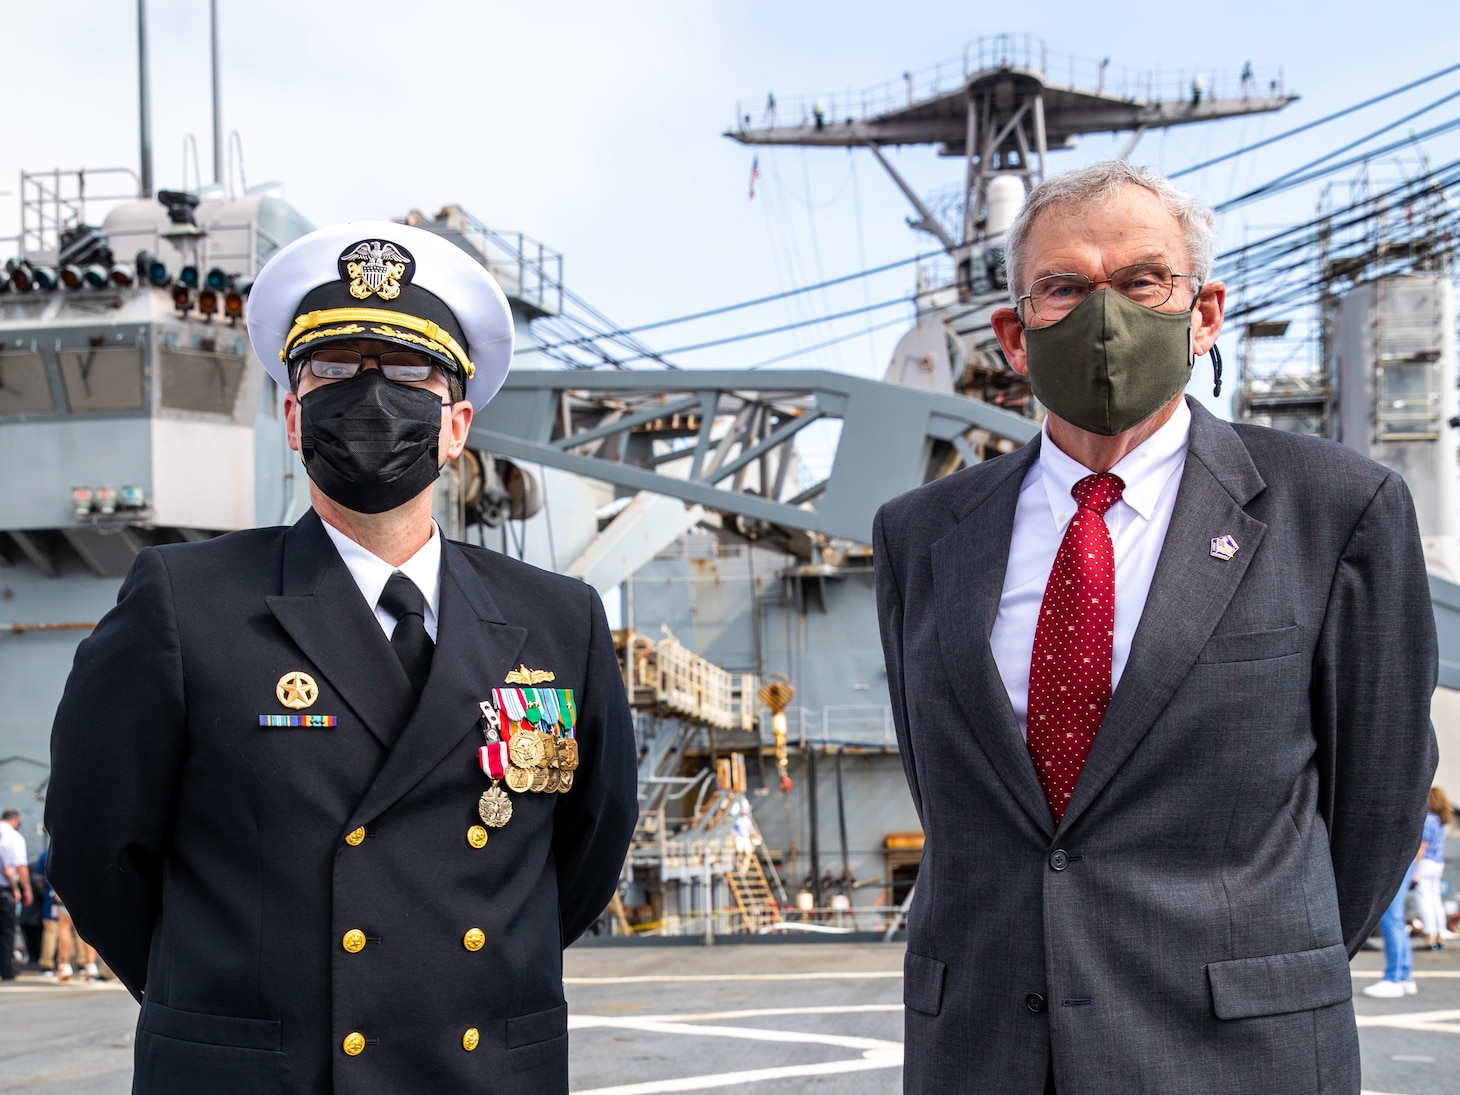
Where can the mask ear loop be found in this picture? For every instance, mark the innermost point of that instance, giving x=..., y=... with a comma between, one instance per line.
x=1216, y=354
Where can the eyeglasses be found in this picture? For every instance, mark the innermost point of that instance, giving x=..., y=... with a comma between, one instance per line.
x=401, y=366
x=1055, y=296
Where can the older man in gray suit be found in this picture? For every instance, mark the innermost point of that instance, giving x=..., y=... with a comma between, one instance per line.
x=1161, y=685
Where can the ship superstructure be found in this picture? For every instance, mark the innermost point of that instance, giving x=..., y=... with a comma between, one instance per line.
x=131, y=414
x=1001, y=108
x=131, y=409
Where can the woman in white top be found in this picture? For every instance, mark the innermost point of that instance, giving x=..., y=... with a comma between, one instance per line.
x=1430, y=866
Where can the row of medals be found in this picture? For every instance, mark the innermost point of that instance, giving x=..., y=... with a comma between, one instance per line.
x=540, y=762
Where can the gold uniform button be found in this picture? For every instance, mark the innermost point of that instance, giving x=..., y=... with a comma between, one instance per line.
x=471, y=1039
x=354, y=1043
x=355, y=837
x=476, y=836
x=474, y=940
x=354, y=941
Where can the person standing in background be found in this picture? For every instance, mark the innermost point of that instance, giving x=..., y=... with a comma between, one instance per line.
x=1398, y=979
x=16, y=864
x=32, y=915
x=1430, y=866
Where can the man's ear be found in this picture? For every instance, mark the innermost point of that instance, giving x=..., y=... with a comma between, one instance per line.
x=458, y=426
x=291, y=420
x=1010, y=333
x=1211, y=304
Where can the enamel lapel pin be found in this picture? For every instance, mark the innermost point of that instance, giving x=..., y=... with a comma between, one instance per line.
x=1224, y=547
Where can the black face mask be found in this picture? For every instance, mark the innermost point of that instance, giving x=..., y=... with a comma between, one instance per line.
x=368, y=443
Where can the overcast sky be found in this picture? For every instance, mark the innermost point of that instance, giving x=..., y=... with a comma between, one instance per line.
x=596, y=127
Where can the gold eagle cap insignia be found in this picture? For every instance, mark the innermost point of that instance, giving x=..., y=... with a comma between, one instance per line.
x=523, y=675
x=380, y=267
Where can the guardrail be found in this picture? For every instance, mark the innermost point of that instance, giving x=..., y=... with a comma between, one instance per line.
x=1017, y=51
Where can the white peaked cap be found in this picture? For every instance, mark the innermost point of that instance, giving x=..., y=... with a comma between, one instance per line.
x=388, y=282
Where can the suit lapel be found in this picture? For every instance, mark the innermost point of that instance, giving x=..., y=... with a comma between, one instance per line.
x=1189, y=594
x=323, y=612
x=968, y=578
x=475, y=649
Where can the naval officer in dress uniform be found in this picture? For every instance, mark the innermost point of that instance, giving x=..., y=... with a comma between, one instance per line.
x=331, y=799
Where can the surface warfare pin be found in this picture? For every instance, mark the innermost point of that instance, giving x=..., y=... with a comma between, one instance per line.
x=1224, y=547
x=523, y=675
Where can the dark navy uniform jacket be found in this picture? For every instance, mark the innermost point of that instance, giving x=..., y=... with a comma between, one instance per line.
x=206, y=856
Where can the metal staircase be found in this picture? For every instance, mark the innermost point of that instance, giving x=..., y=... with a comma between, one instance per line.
x=757, y=905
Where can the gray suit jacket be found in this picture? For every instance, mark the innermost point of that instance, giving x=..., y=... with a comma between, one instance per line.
x=1245, y=814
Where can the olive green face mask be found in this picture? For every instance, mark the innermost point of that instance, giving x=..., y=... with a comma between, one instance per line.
x=1111, y=363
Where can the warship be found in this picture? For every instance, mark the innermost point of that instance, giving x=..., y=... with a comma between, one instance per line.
x=133, y=412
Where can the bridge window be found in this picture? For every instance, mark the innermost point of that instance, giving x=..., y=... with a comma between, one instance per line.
x=194, y=380
x=102, y=380
x=24, y=386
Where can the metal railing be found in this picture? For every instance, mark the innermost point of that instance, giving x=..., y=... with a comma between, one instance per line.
x=855, y=725
x=529, y=269
x=53, y=201
x=1017, y=51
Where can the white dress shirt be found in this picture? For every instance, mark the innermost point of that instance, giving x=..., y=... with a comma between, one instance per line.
x=1138, y=522
x=372, y=572
x=12, y=849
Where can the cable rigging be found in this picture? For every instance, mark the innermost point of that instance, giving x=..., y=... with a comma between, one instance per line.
x=589, y=340
x=1290, y=180
x=1314, y=124
x=796, y=325
x=753, y=303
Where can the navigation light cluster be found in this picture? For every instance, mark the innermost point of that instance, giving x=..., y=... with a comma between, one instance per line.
x=217, y=291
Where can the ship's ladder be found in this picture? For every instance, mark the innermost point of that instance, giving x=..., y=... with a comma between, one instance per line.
x=752, y=892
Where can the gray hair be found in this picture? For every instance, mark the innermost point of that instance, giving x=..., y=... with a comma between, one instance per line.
x=1090, y=185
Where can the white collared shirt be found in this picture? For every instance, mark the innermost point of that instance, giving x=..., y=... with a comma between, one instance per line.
x=372, y=572
x=1138, y=522
x=12, y=850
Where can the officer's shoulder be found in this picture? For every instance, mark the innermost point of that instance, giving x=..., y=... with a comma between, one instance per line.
x=504, y=572
x=228, y=552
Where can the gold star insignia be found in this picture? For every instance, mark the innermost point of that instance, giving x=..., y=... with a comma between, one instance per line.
x=297, y=690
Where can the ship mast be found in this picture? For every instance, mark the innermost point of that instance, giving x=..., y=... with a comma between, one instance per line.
x=217, y=98
x=1003, y=106
x=144, y=107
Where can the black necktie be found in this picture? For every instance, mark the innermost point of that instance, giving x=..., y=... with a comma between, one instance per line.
x=403, y=600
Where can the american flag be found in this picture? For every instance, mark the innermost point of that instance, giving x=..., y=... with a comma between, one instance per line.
x=754, y=174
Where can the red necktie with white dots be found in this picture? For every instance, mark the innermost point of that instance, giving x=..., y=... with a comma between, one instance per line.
x=1069, y=673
